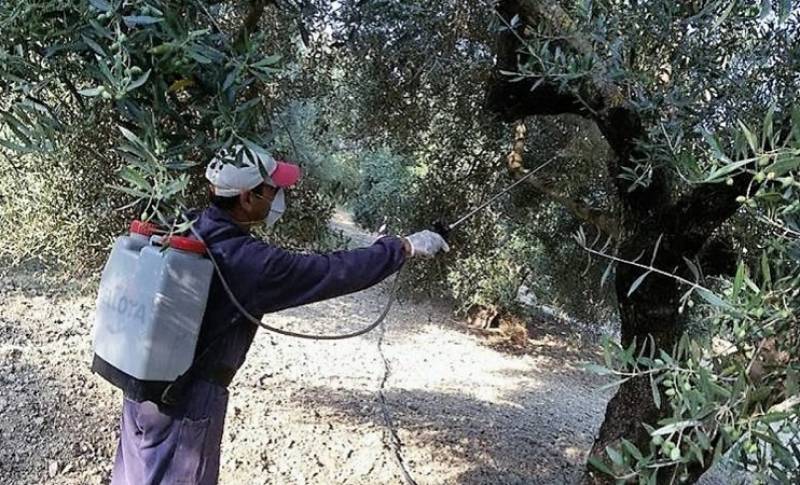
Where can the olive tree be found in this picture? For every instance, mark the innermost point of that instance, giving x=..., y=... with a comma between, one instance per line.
x=695, y=100
x=123, y=102
x=404, y=83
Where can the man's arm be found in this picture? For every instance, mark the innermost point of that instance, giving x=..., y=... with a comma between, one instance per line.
x=289, y=279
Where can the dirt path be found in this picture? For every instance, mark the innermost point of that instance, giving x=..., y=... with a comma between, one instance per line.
x=306, y=412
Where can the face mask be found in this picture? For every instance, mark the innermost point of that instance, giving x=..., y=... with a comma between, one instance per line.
x=277, y=208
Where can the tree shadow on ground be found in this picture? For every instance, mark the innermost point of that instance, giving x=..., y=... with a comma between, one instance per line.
x=530, y=438
x=547, y=340
x=538, y=433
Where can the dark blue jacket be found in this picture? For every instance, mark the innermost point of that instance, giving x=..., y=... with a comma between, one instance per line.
x=266, y=279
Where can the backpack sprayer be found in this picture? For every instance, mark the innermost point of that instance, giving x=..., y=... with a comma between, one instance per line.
x=150, y=305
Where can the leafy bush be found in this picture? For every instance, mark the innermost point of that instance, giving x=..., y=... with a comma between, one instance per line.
x=329, y=176
x=385, y=193
x=57, y=207
x=120, y=104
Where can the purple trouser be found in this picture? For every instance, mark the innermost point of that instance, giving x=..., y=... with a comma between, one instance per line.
x=179, y=446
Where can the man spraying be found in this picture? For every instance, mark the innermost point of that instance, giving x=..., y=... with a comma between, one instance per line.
x=181, y=443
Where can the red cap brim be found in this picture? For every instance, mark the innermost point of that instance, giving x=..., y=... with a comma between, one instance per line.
x=286, y=175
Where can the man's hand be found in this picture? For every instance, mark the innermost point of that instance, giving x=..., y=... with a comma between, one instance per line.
x=425, y=244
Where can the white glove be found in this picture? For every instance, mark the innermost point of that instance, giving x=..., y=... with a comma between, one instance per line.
x=426, y=244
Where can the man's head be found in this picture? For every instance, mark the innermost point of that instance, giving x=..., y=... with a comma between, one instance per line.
x=249, y=184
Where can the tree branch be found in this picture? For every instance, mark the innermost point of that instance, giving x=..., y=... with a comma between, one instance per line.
x=707, y=206
x=597, y=99
x=532, y=11
x=531, y=97
x=700, y=212
x=622, y=128
x=250, y=23
x=74, y=91
x=619, y=123
x=580, y=209
x=527, y=97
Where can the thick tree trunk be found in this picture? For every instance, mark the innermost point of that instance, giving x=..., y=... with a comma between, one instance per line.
x=650, y=312
x=649, y=214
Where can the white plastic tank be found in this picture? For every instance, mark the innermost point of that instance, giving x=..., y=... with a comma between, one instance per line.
x=150, y=304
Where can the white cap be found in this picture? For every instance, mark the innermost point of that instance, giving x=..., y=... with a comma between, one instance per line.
x=239, y=169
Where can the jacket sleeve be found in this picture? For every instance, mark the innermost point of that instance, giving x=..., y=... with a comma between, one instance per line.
x=289, y=279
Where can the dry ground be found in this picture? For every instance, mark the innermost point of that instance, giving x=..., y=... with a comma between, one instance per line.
x=306, y=412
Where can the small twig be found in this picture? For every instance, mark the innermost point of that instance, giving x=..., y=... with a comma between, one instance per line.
x=510, y=27
x=74, y=91
x=291, y=138
x=210, y=17
x=669, y=140
x=585, y=104
x=650, y=268
x=8, y=159
x=780, y=226
x=755, y=356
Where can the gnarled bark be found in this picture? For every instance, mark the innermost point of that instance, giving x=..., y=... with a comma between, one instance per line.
x=648, y=213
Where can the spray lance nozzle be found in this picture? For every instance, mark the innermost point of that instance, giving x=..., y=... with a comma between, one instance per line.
x=444, y=228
